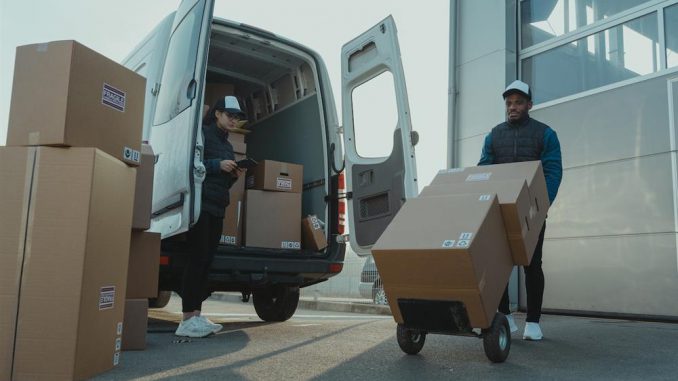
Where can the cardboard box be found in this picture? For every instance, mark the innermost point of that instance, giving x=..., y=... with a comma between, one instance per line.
x=15, y=165
x=65, y=94
x=313, y=236
x=74, y=245
x=491, y=178
x=522, y=224
x=135, y=325
x=144, y=265
x=272, y=219
x=143, y=191
x=215, y=90
x=276, y=176
x=231, y=233
x=446, y=258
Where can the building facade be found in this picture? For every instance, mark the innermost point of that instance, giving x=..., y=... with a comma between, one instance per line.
x=604, y=75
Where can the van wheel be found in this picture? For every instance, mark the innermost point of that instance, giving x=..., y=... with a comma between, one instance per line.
x=161, y=300
x=497, y=339
x=409, y=340
x=276, y=303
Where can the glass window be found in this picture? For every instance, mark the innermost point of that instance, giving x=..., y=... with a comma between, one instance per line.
x=671, y=27
x=625, y=51
x=179, y=71
x=545, y=19
x=375, y=116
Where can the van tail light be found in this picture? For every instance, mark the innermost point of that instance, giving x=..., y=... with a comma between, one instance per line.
x=336, y=268
x=342, y=205
x=164, y=260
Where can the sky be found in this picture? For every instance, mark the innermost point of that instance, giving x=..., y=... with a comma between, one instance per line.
x=113, y=28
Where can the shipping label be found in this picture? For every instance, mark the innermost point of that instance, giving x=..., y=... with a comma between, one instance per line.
x=118, y=330
x=283, y=183
x=106, y=297
x=129, y=154
x=479, y=176
x=113, y=98
x=118, y=344
x=116, y=358
x=315, y=223
x=290, y=245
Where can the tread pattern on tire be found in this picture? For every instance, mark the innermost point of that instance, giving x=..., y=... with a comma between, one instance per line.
x=410, y=342
x=276, y=304
x=492, y=339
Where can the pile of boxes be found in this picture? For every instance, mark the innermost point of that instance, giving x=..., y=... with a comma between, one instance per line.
x=66, y=211
x=459, y=240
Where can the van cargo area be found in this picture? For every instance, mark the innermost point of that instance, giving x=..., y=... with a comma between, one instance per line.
x=277, y=82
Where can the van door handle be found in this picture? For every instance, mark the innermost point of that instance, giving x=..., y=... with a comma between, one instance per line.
x=190, y=90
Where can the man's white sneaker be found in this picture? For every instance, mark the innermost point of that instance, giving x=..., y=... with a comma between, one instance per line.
x=512, y=323
x=193, y=327
x=532, y=331
x=214, y=326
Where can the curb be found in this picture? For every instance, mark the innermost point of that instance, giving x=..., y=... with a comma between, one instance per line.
x=321, y=304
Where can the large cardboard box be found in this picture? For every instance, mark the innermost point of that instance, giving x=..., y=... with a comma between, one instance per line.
x=16, y=165
x=65, y=94
x=231, y=233
x=75, y=216
x=522, y=223
x=237, y=140
x=313, y=235
x=135, y=325
x=144, y=265
x=276, y=176
x=272, y=219
x=143, y=192
x=446, y=249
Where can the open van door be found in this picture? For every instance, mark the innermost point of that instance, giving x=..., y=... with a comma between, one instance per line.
x=376, y=185
x=175, y=133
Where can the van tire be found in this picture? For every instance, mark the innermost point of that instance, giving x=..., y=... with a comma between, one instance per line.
x=161, y=300
x=276, y=303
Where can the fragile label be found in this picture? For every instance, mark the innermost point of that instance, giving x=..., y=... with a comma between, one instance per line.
x=113, y=98
x=131, y=155
x=290, y=245
x=227, y=239
x=448, y=243
x=106, y=297
x=118, y=344
x=283, y=183
x=118, y=330
x=485, y=197
x=466, y=236
x=479, y=176
x=116, y=358
x=315, y=223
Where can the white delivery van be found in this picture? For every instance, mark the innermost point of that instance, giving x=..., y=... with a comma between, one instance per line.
x=285, y=89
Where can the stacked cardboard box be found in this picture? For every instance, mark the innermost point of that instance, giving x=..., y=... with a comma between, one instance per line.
x=66, y=213
x=313, y=235
x=273, y=208
x=473, y=225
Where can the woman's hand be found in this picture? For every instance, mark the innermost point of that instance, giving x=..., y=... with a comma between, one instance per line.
x=229, y=166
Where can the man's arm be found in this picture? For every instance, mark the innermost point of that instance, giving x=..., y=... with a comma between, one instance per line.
x=487, y=155
x=552, y=162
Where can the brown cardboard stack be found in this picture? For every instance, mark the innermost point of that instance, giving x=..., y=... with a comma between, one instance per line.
x=273, y=208
x=472, y=226
x=66, y=213
x=233, y=218
x=521, y=189
x=66, y=218
x=313, y=235
x=135, y=324
x=143, y=191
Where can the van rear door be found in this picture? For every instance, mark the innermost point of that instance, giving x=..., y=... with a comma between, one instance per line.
x=175, y=133
x=377, y=184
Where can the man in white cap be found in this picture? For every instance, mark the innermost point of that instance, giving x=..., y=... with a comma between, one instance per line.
x=521, y=138
x=203, y=238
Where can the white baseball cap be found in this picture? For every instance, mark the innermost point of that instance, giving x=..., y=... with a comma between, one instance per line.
x=230, y=104
x=518, y=87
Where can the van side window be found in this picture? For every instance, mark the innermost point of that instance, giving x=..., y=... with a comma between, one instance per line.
x=174, y=96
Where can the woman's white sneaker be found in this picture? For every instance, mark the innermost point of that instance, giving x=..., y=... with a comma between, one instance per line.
x=193, y=327
x=214, y=326
x=532, y=332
